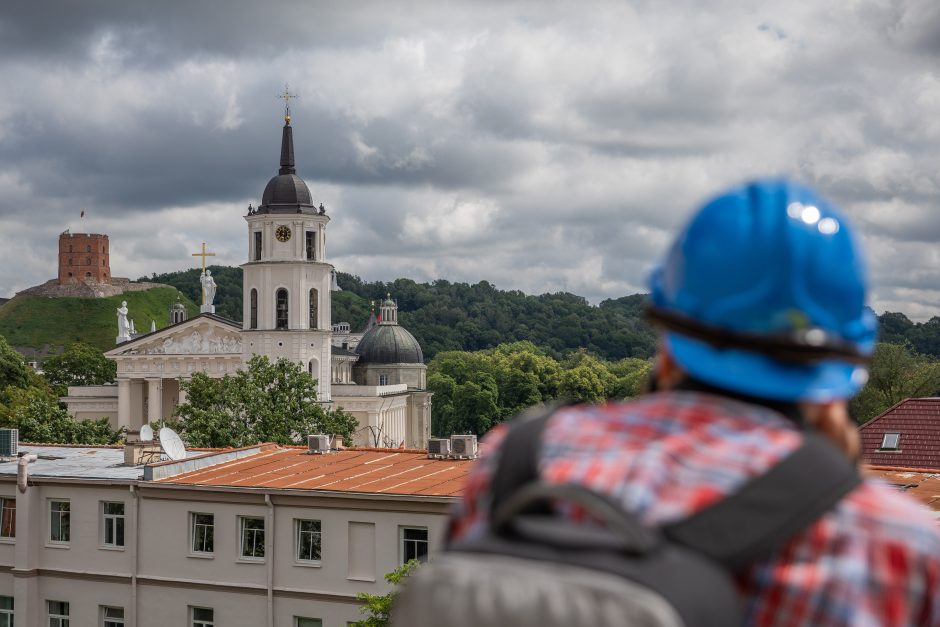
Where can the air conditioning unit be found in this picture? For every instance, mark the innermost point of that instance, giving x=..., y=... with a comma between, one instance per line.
x=438, y=448
x=463, y=446
x=9, y=442
x=318, y=444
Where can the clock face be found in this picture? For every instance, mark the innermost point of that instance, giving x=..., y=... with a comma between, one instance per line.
x=282, y=233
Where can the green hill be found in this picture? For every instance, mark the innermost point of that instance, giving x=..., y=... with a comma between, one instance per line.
x=35, y=322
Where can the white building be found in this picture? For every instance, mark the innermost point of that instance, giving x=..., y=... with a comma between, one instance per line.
x=262, y=536
x=380, y=377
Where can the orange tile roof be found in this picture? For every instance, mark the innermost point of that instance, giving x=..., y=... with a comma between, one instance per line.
x=923, y=486
x=383, y=471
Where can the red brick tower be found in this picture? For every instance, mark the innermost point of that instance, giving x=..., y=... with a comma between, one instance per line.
x=84, y=257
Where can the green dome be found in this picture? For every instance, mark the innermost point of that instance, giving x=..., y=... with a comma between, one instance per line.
x=389, y=344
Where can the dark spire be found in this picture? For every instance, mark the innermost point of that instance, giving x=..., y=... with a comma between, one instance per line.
x=287, y=149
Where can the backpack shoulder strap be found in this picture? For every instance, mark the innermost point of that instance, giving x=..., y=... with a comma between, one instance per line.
x=758, y=519
x=519, y=455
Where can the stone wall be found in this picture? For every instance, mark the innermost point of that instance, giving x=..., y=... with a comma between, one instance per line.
x=88, y=289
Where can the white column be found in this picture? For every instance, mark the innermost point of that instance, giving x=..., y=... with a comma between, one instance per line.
x=154, y=400
x=124, y=403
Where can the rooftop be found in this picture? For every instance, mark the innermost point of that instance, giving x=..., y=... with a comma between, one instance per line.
x=922, y=486
x=916, y=421
x=364, y=470
x=75, y=462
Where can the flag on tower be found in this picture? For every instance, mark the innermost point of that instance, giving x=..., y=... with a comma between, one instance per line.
x=83, y=214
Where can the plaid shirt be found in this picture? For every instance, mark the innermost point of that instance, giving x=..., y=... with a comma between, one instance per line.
x=874, y=559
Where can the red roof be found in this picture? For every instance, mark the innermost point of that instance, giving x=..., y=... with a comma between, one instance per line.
x=385, y=471
x=925, y=487
x=917, y=421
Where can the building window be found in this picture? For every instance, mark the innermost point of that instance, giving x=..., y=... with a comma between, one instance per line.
x=202, y=617
x=59, y=522
x=383, y=379
x=311, y=245
x=87, y=249
x=203, y=527
x=251, y=530
x=88, y=275
x=112, y=616
x=253, y=309
x=281, y=311
x=414, y=544
x=70, y=261
x=257, y=245
x=113, y=516
x=58, y=613
x=308, y=540
x=6, y=611
x=7, y=519
x=300, y=621
x=314, y=299
x=890, y=441
x=88, y=261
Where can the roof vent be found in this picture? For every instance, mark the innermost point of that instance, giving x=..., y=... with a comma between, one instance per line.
x=463, y=447
x=438, y=448
x=9, y=442
x=318, y=444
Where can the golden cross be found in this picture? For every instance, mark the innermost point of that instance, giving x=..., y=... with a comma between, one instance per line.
x=203, y=254
x=286, y=97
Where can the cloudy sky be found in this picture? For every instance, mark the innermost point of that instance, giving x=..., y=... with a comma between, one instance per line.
x=539, y=146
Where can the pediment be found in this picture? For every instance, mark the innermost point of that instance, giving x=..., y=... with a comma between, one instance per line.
x=202, y=335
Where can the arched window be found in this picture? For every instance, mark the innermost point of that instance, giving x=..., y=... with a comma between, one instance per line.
x=254, y=309
x=280, y=309
x=88, y=261
x=88, y=275
x=70, y=274
x=87, y=249
x=314, y=300
x=70, y=261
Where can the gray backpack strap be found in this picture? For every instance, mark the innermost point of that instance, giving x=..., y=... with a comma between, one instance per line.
x=758, y=519
x=519, y=457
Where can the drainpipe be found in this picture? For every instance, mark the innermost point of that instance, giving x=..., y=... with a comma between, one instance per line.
x=22, y=473
x=269, y=556
x=134, y=555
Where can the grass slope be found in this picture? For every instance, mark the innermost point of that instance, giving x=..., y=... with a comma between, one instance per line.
x=35, y=321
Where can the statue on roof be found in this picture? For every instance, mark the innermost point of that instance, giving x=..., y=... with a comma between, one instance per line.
x=208, y=289
x=124, y=327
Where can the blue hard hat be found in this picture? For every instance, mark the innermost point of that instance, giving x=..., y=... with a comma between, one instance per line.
x=763, y=293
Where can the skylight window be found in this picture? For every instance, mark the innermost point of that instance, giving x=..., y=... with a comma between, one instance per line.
x=890, y=441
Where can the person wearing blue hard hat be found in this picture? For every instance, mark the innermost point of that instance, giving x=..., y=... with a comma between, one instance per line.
x=743, y=450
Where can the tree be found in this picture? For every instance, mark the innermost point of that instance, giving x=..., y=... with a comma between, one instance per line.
x=264, y=402
x=896, y=373
x=79, y=364
x=378, y=607
x=13, y=369
x=39, y=418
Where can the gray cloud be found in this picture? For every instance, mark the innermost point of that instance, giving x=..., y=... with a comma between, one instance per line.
x=540, y=146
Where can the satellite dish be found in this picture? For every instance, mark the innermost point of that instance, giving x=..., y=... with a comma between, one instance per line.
x=171, y=444
x=146, y=433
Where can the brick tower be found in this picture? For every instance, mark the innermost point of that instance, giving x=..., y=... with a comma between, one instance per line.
x=84, y=257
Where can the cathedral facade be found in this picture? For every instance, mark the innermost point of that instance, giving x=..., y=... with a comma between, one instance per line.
x=380, y=378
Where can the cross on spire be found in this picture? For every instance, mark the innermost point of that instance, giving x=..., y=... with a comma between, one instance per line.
x=286, y=97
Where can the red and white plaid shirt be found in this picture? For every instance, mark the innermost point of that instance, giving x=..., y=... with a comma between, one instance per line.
x=874, y=559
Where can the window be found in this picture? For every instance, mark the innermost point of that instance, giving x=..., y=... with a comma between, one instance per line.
x=300, y=621
x=383, y=379
x=112, y=616
x=280, y=300
x=6, y=611
x=890, y=441
x=59, y=521
x=254, y=309
x=414, y=544
x=314, y=299
x=87, y=261
x=58, y=613
x=251, y=530
x=70, y=261
x=88, y=249
x=257, y=245
x=203, y=526
x=202, y=617
x=7, y=519
x=311, y=245
x=308, y=540
x=88, y=275
x=113, y=517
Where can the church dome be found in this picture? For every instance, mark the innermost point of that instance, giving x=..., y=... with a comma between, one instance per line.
x=389, y=344
x=286, y=189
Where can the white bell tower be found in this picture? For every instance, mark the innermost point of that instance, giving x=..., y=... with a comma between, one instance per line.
x=287, y=279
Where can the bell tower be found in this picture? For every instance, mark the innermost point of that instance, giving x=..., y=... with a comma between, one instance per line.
x=287, y=278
